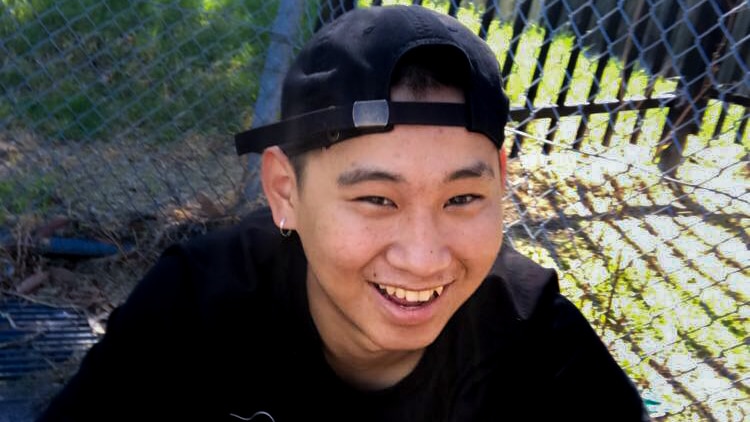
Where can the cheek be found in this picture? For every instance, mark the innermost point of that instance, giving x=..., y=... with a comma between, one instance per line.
x=340, y=242
x=479, y=242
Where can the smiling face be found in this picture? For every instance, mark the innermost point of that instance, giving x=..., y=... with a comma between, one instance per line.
x=399, y=230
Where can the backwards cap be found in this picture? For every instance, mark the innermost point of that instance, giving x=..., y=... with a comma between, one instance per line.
x=339, y=85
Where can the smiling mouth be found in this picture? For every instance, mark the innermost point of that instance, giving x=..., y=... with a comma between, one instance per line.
x=405, y=297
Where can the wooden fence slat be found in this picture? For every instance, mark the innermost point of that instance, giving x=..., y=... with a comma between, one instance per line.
x=642, y=112
x=654, y=59
x=487, y=17
x=629, y=56
x=553, y=15
x=683, y=119
x=611, y=28
x=519, y=23
x=741, y=131
x=575, y=55
x=536, y=80
x=453, y=7
x=720, y=121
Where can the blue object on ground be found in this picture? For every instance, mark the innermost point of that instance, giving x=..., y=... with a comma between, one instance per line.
x=80, y=247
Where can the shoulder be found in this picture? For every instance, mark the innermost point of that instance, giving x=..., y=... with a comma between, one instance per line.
x=206, y=271
x=557, y=356
x=526, y=283
x=531, y=295
x=238, y=251
x=255, y=238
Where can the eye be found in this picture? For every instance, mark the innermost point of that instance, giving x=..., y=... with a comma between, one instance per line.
x=377, y=200
x=460, y=200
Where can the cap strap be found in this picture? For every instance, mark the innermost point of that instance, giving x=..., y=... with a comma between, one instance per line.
x=327, y=126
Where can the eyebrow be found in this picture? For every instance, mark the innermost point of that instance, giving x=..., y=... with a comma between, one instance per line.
x=360, y=175
x=478, y=169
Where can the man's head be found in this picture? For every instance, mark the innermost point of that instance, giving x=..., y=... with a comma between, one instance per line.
x=400, y=217
x=424, y=74
x=339, y=85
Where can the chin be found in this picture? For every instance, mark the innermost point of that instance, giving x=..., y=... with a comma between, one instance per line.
x=409, y=339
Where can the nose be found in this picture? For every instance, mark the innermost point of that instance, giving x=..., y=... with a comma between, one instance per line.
x=421, y=247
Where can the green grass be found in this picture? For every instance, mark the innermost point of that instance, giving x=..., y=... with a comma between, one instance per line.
x=151, y=69
x=30, y=192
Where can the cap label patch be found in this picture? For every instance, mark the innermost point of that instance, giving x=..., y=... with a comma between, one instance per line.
x=370, y=114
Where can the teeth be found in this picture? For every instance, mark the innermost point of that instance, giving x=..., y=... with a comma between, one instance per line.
x=424, y=295
x=412, y=295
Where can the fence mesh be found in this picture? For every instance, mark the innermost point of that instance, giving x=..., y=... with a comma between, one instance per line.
x=629, y=149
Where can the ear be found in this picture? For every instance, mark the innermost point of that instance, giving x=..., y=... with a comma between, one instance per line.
x=279, y=185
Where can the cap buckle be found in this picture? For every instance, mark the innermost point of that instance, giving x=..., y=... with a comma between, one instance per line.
x=370, y=114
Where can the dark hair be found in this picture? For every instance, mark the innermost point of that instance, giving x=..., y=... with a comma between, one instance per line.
x=421, y=70
x=425, y=69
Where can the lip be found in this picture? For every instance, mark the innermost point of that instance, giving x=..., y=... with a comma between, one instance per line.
x=408, y=315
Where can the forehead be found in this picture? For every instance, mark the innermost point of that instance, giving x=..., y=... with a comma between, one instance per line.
x=413, y=151
x=429, y=149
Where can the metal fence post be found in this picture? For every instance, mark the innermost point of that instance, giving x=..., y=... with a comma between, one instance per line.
x=285, y=30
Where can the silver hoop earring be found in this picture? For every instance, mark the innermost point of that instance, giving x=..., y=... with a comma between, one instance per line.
x=284, y=232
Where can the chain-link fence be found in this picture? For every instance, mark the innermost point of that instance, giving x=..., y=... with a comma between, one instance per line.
x=629, y=154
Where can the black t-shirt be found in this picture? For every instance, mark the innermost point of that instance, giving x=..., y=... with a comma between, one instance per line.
x=220, y=329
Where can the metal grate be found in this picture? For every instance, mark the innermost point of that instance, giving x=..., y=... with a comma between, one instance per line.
x=36, y=337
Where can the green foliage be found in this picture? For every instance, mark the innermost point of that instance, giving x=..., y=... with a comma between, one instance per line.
x=85, y=69
x=37, y=193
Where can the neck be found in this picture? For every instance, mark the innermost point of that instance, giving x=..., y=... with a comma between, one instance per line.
x=375, y=371
x=350, y=353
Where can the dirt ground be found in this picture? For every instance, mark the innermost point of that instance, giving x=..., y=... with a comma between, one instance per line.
x=134, y=195
x=132, y=198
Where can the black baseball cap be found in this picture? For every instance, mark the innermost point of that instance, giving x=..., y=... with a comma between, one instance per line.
x=339, y=85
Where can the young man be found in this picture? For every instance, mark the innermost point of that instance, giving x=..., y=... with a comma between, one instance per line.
x=375, y=287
